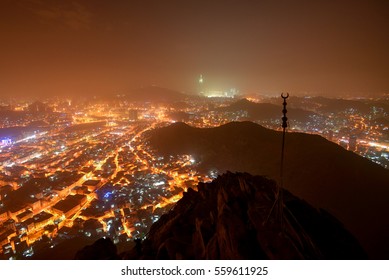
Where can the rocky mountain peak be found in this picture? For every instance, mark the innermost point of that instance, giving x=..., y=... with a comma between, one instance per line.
x=229, y=219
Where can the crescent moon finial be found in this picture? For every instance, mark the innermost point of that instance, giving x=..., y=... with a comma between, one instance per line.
x=282, y=95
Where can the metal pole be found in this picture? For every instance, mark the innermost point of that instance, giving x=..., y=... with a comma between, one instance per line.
x=284, y=126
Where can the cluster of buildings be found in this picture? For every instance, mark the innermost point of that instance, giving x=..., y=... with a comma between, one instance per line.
x=89, y=179
x=90, y=172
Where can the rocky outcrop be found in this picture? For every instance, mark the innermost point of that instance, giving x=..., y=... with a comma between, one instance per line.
x=231, y=218
x=102, y=249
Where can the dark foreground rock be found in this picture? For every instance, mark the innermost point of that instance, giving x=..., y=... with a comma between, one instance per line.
x=229, y=219
x=102, y=249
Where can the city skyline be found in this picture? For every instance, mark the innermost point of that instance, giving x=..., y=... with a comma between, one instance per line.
x=73, y=48
x=110, y=168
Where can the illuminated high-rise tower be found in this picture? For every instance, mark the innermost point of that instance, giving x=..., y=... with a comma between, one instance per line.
x=201, y=85
x=201, y=80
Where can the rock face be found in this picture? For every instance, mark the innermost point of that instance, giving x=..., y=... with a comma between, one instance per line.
x=229, y=219
x=102, y=249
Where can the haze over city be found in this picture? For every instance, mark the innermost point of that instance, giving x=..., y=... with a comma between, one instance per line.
x=97, y=47
x=194, y=129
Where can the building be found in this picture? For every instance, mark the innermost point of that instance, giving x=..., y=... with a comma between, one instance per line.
x=3, y=215
x=62, y=191
x=24, y=216
x=5, y=237
x=91, y=184
x=70, y=205
x=42, y=219
x=80, y=190
x=16, y=210
x=34, y=204
x=10, y=224
x=133, y=115
x=29, y=224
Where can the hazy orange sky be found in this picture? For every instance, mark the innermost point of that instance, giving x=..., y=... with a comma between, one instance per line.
x=106, y=47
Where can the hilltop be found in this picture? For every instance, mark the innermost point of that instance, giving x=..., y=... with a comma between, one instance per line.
x=350, y=187
x=266, y=111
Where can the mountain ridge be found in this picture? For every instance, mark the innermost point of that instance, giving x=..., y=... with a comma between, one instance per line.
x=263, y=111
x=350, y=187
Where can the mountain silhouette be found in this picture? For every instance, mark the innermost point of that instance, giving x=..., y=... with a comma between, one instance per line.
x=266, y=111
x=229, y=219
x=350, y=187
x=328, y=105
x=331, y=105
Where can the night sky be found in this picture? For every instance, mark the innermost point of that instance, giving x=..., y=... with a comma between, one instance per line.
x=94, y=47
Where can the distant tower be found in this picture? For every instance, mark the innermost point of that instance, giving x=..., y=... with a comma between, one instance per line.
x=201, y=80
x=201, y=85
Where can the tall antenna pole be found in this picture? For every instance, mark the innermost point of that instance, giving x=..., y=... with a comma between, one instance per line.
x=284, y=126
x=278, y=205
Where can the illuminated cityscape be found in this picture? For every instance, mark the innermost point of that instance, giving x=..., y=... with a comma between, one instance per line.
x=75, y=169
x=112, y=114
